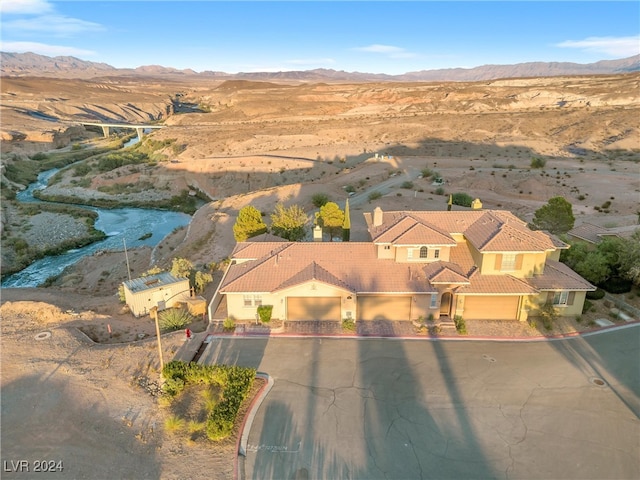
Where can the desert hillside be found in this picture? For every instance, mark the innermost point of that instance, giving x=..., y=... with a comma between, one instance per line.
x=238, y=142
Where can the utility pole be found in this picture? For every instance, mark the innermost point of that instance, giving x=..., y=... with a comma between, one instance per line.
x=154, y=314
x=127, y=257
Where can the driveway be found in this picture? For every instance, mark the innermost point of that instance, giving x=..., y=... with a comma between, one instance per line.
x=409, y=409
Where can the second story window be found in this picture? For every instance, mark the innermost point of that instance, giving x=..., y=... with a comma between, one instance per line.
x=423, y=252
x=508, y=262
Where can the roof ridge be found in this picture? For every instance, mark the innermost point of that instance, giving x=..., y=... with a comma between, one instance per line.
x=259, y=262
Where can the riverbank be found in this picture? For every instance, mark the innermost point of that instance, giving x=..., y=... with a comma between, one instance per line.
x=37, y=230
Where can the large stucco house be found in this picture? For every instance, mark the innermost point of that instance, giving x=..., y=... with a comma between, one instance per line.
x=479, y=264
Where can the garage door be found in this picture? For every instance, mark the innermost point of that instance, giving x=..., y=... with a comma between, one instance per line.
x=491, y=308
x=313, y=308
x=384, y=308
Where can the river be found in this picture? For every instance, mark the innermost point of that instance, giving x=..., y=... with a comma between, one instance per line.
x=120, y=224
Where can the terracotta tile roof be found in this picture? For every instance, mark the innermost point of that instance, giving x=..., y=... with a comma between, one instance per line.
x=496, y=285
x=447, y=222
x=313, y=271
x=557, y=276
x=590, y=232
x=267, y=237
x=461, y=256
x=559, y=244
x=502, y=233
x=410, y=230
x=254, y=250
x=445, y=273
x=487, y=230
x=351, y=265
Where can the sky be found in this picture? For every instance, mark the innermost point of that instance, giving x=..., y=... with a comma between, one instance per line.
x=365, y=36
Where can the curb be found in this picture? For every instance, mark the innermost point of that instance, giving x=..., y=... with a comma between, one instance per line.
x=466, y=338
x=245, y=428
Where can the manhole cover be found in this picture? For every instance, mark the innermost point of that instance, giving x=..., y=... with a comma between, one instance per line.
x=43, y=336
x=142, y=335
x=597, y=381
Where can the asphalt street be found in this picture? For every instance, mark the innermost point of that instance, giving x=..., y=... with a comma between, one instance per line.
x=412, y=409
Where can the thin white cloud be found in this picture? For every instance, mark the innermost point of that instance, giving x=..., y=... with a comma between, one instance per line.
x=58, y=25
x=376, y=48
x=44, y=49
x=614, y=46
x=25, y=7
x=388, y=50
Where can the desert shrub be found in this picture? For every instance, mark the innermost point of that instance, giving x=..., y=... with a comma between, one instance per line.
x=462, y=199
x=596, y=295
x=174, y=424
x=319, y=199
x=617, y=285
x=407, y=185
x=426, y=172
x=116, y=160
x=222, y=417
x=81, y=170
x=461, y=326
x=349, y=325
x=537, y=162
x=229, y=324
x=349, y=189
x=174, y=319
x=548, y=314
x=236, y=383
x=39, y=156
x=264, y=312
x=374, y=196
x=440, y=191
x=587, y=306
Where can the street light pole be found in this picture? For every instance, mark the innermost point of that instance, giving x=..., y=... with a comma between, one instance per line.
x=154, y=314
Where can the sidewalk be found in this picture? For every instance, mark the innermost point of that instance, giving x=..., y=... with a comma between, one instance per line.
x=191, y=349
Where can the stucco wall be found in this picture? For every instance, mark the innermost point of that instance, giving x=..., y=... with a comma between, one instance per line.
x=236, y=308
x=532, y=263
x=141, y=302
x=401, y=254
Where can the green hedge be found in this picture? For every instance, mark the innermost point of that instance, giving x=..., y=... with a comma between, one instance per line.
x=235, y=381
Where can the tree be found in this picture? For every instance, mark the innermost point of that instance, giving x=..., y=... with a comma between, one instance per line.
x=331, y=218
x=201, y=280
x=594, y=267
x=462, y=199
x=319, y=199
x=289, y=222
x=181, y=268
x=346, y=225
x=629, y=258
x=248, y=224
x=556, y=216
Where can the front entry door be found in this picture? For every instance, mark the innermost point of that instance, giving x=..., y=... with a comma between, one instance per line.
x=445, y=304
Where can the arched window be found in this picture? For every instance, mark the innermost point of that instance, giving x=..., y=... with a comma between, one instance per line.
x=423, y=252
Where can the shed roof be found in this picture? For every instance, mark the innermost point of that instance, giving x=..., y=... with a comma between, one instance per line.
x=152, y=281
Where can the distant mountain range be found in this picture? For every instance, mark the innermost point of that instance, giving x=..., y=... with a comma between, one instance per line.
x=31, y=64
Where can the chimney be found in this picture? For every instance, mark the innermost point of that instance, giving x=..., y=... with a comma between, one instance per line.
x=476, y=204
x=317, y=233
x=377, y=217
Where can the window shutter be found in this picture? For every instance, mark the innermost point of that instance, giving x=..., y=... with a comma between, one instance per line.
x=498, y=264
x=519, y=261
x=572, y=296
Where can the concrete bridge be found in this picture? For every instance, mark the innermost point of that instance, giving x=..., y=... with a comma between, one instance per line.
x=106, y=127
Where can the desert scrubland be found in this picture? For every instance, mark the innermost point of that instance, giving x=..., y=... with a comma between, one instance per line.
x=238, y=143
